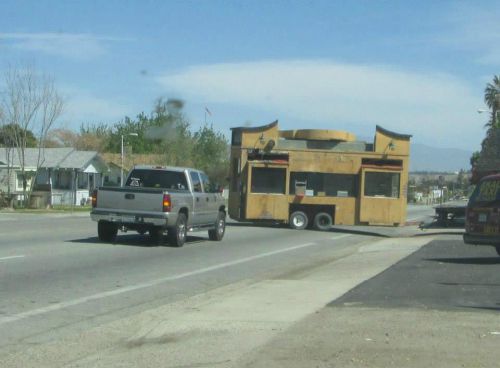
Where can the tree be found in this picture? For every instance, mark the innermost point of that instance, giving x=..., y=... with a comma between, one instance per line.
x=210, y=153
x=474, y=158
x=492, y=100
x=61, y=138
x=31, y=104
x=8, y=132
x=488, y=159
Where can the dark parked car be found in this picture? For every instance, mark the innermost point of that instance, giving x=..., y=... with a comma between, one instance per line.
x=482, y=217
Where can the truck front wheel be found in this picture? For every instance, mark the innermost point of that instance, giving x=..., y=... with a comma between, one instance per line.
x=177, y=235
x=106, y=231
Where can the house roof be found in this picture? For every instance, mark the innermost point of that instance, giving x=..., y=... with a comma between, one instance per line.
x=77, y=159
x=66, y=158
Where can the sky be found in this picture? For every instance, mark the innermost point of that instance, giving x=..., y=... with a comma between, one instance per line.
x=416, y=68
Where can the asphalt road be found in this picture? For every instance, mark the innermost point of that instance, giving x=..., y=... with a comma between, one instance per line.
x=54, y=273
x=419, y=213
x=57, y=281
x=446, y=274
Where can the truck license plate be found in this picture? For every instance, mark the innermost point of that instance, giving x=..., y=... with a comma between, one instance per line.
x=118, y=218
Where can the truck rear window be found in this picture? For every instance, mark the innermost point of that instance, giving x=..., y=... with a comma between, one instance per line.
x=486, y=191
x=157, y=179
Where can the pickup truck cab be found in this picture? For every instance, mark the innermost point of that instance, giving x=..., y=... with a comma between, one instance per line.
x=158, y=199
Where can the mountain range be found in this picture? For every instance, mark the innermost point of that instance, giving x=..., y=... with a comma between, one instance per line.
x=427, y=158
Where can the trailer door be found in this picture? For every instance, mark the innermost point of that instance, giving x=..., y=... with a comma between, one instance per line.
x=381, y=197
x=266, y=197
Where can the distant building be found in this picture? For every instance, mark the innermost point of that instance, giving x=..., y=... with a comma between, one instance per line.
x=65, y=175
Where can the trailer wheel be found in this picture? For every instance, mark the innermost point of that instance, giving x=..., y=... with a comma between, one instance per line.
x=106, y=231
x=298, y=220
x=322, y=221
x=177, y=235
x=217, y=233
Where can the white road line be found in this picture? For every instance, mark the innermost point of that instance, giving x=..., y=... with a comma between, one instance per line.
x=85, y=299
x=12, y=257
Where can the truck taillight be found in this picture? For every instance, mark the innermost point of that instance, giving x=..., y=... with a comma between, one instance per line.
x=167, y=203
x=94, y=198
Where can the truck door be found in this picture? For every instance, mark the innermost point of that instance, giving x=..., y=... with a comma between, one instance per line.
x=199, y=202
x=211, y=197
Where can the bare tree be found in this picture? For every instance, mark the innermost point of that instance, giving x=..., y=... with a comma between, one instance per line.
x=30, y=103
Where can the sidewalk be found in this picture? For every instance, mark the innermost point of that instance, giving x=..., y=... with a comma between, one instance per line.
x=380, y=338
x=13, y=214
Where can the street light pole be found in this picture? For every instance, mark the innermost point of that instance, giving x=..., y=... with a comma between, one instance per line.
x=122, y=154
x=121, y=166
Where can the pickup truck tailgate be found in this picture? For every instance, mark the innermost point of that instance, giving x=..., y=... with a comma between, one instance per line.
x=130, y=200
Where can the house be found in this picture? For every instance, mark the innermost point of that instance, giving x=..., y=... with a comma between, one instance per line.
x=114, y=161
x=65, y=175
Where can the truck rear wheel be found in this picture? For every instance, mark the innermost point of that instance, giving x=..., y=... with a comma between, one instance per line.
x=106, y=231
x=217, y=233
x=322, y=221
x=298, y=220
x=177, y=235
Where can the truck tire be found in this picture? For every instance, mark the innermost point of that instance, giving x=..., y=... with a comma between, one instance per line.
x=217, y=233
x=156, y=234
x=106, y=231
x=322, y=221
x=177, y=234
x=298, y=220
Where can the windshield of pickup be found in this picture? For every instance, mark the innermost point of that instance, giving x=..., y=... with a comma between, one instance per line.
x=486, y=191
x=157, y=179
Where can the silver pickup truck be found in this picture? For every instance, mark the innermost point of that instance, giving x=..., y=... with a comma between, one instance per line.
x=157, y=200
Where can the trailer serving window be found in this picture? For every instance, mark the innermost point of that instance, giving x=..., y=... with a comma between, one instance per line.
x=322, y=184
x=268, y=180
x=382, y=184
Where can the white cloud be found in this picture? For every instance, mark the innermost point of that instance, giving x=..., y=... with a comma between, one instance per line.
x=84, y=107
x=70, y=45
x=436, y=108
